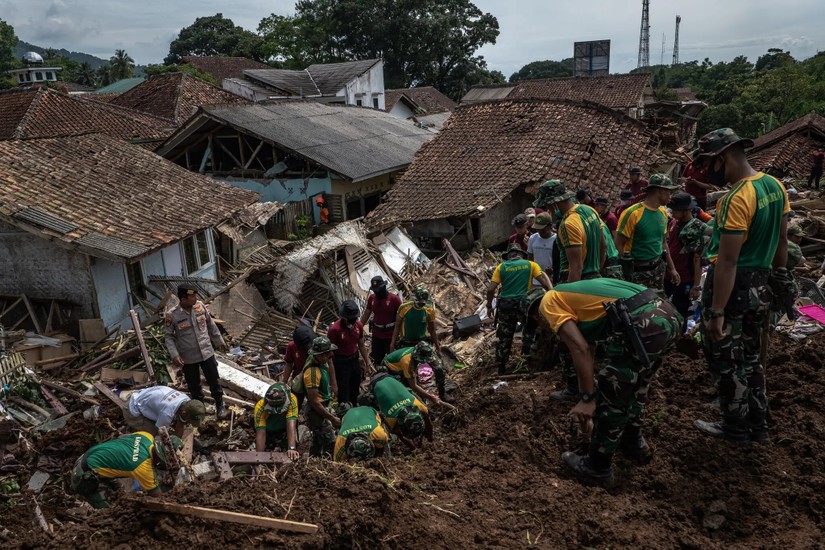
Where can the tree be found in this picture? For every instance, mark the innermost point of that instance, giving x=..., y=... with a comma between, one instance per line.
x=49, y=53
x=104, y=75
x=422, y=42
x=121, y=66
x=86, y=75
x=774, y=59
x=214, y=35
x=544, y=69
x=154, y=70
x=8, y=40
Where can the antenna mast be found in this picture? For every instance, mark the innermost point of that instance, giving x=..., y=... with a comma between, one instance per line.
x=676, y=42
x=644, y=36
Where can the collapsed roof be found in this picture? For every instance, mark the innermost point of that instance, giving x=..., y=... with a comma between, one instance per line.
x=786, y=151
x=325, y=79
x=424, y=100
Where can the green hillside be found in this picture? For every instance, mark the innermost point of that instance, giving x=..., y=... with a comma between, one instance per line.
x=96, y=62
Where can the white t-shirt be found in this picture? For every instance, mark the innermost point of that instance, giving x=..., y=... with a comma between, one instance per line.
x=542, y=251
x=158, y=403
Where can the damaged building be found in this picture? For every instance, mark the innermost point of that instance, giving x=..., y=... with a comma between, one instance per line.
x=786, y=151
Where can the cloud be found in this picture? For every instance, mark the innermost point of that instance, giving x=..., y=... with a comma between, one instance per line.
x=60, y=25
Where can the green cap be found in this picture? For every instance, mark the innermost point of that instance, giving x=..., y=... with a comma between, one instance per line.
x=543, y=220
x=322, y=345
x=276, y=399
x=551, y=192
x=693, y=235
x=795, y=230
x=421, y=294
x=360, y=447
x=715, y=142
x=423, y=352
x=195, y=411
x=411, y=422
x=515, y=248
x=661, y=180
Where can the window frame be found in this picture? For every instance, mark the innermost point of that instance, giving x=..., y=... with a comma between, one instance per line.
x=199, y=264
x=135, y=290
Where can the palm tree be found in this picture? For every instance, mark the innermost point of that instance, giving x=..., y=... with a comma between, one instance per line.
x=86, y=75
x=49, y=53
x=121, y=65
x=104, y=75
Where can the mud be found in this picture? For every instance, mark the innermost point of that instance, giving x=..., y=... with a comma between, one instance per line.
x=493, y=478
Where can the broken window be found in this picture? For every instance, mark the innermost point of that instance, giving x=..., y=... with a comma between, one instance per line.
x=134, y=276
x=196, y=252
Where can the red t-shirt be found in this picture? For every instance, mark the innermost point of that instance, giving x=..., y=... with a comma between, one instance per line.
x=345, y=338
x=698, y=174
x=383, y=313
x=611, y=221
x=520, y=240
x=637, y=188
x=819, y=156
x=296, y=356
x=682, y=261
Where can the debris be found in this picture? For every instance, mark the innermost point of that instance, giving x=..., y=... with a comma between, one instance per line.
x=37, y=481
x=68, y=391
x=232, y=517
x=147, y=361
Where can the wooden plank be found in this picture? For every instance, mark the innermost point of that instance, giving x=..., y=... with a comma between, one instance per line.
x=232, y=517
x=69, y=391
x=253, y=457
x=141, y=344
x=32, y=314
x=56, y=404
x=188, y=443
x=9, y=308
x=102, y=388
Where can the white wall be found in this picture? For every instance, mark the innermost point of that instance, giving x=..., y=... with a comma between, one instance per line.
x=365, y=87
x=401, y=110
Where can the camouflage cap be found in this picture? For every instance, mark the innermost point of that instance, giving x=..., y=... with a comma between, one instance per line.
x=195, y=411
x=322, y=345
x=421, y=294
x=515, y=248
x=693, y=235
x=795, y=230
x=543, y=220
x=551, y=192
x=411, y=422
x=360, y=447
x=715, y=142
x=662, y=181
x=277, y=398
x=423, y=352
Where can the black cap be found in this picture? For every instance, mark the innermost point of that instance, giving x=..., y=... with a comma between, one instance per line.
x=635, y=170
x=520, y=220
x=186, y=289
x=377, y=282
x=303, y=336
x=626, y=194
x=581, y=194
x=602, y=200
x=680, y=201
x=350, y=310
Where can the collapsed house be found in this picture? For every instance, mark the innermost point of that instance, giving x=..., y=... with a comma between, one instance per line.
x=483, y=167
x=292, y=152
x=786, y=151
x=425, y=105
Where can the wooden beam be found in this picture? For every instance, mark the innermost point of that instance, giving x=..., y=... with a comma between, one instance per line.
x=56, y=404
x=231, y=517
x=241, y=151
x=188, y=443
x=32, y=314
x=104, y=389
x=141, y=344
x=242, y=277
x=9, y=308
x=69, y=391
x=207, y=154
x=254, y=156
x=49, y=318
x=238, y=163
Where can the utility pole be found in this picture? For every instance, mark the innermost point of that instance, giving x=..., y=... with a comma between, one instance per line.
x=662, y=59
x=676, y=42
x=644, y=36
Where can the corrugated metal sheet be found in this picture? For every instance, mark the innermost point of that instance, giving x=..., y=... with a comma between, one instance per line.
x=43, y=219
x=486, y=94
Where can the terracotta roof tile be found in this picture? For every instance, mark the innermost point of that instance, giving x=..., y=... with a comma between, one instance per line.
x=426, y=98
x=487, y=150
x=107, y=197
x=42, y=112
x=175, y=97
x=222, y=68
x=786, y=151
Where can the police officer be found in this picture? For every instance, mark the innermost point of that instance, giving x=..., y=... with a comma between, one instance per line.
x=748, y=254
x=515, y=277
x=191, y=338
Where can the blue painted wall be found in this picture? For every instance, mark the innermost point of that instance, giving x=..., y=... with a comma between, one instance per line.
x=285, y=190
x=112, y=292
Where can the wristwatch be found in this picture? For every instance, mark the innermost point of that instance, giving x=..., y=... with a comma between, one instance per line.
x=587, y=397
x=293, y=448
x=717, y=313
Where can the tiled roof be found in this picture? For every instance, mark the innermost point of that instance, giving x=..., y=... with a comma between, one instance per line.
x=621, y=91
x=684, y=94
x=331, y=77
x=787, y=150
x=175, y=96
x=27, y=113
x=426, y=98
x=321, y=79
x=223, y=67
x=106, y=197
x=487, y=150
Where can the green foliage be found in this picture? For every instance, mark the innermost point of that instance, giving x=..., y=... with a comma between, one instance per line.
x=121, y=66
x=8, y=40
x=154, y=70
x=422, y=42
x=214, y=35
x=544, y=69
x=85, y=75
x=303, y=229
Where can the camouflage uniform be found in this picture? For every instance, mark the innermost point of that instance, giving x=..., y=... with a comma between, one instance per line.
x=653, y=279
x=323, y=434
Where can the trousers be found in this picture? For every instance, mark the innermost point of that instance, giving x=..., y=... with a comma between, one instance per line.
x=348, y=374
x=323, y=433
x=192, y=374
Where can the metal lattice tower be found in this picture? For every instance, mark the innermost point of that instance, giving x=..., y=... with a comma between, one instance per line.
x=676, y=42
x=644, y=36
x=662, y=59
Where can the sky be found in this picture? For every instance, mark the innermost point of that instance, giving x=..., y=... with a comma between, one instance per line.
x=531, y=30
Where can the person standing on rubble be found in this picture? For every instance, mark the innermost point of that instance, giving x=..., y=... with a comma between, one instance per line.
x=160, y=406
x=347, y=334
x=540, y=246
x=685, y=247
x=580, y=235
x=818, y=159
x=380, y=313
x=639, y=328
x=415, y=321
x=695, y=176
x=522, y=231
x=748, y=252
x=275, y=420
x=361, y=437
x=192, y=338
x=132, y=456
x=625, y=196
x=602, y=206
x=515, y=277
x=316, y=381
x=642, y=237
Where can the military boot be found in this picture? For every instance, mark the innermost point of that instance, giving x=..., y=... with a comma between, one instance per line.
x=758, y=426
x=592, y=469
x=634, y=446
x=220, y=411
x=719, y=430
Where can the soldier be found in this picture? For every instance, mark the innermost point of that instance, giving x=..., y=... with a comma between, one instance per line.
x=749, y=238
x=795, y=257
x=275, y=420
x=683, y=252
x=316, y=382
x=191, y=338
x=642, y=237
x=620, y=313
x=580, y=235
x=403, y=413
x=415, y=321
x=612, y=268
x=402, y=364
x=515, y=277
x=361, y=436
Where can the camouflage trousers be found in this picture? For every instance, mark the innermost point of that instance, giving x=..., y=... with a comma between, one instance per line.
x=323, y=433
x=612, y=271
x=734, y=360
x=508, y=320
x=623, y=382
x=653, y=279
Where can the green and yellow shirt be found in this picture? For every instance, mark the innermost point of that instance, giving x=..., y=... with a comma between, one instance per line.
x=583, y=302
x=515, y=277
x=414, y=320
x=580, y=227
x=754, y=208
x=645, y=229
x=400, y=362
x=129, y=456
x=392, y=396
x=359, y=420
x=265, y=420
x=316, y=377
x=612, y=251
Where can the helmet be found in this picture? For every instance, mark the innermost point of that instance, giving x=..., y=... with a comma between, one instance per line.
x=421, y=294
x=360, y=446
x=177, y=443
x=411, y=422
x=423, y=352
x=276, y=399
x=303, y=336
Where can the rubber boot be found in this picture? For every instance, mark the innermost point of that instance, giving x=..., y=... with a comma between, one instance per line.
x=634, y=446
x=719, y=430
x=220, y=411
x=592, y=469
x=758, y=426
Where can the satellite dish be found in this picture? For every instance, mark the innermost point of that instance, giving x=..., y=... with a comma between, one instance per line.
x=32, y=58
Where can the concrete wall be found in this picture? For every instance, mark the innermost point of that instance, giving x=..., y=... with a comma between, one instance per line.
x=349, y=190
x=495, y=226
x=112, y=292
x=33, y=266
x=366, y=87
x=401, y=110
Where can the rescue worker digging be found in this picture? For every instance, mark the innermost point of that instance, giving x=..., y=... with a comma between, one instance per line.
x=361, y=436
x=515, y=277
x=415, y=322
x=161, y=406
x=403, y=413
x=639, y=327
x=276, y=421
x=402, y=364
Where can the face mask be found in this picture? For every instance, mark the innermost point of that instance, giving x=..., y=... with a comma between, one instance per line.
x=716, y=177
x=382, y=292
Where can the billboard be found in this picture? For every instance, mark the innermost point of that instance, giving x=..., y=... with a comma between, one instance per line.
x=591, y=58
